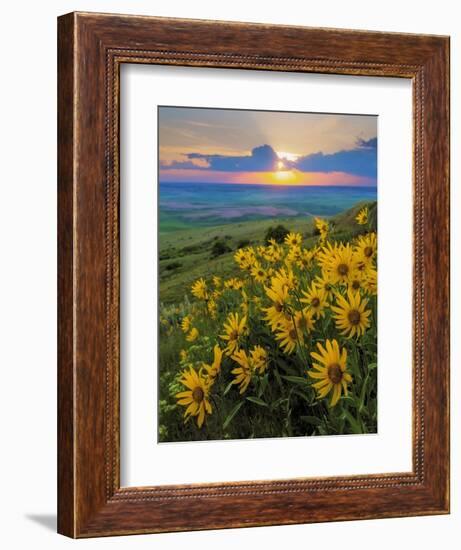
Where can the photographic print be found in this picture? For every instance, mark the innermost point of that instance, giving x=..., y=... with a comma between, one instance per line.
x=267, y=239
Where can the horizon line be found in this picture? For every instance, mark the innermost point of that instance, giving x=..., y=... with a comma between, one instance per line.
x=269, y=184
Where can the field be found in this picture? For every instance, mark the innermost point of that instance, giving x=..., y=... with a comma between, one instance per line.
x=229, y=366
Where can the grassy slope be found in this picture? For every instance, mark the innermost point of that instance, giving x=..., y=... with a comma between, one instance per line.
x=191, y=248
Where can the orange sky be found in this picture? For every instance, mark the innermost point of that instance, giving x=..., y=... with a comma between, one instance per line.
x=282, y=177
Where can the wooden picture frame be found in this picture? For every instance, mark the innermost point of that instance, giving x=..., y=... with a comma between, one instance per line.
x=92, y=48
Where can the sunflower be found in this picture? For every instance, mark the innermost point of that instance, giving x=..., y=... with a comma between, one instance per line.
x=321, y=224
x=304, y=321
x=248, y=364
x=233, y=284
x=273, y=252
x=258, y=273
x=235, y=329
x=362, y=216
x=356, y=280
x=366, y=248
x=339, y=263
x=245, y=258
x=325, y=284
x=370, y=283
x=195, y=398
x=289, y=336
x=259, y=359
x=278, y=294
x=199, y=289
x=217, y=281
x=193, y=335
x=240, y=258
x=351, y=315
x=243, y=372
x=293, y=239
x=294, y=255
x=186, y=324
x=284, y=277
x=323, y=228
x=305, y=258
x=245, y=305
x=330, y=371
x=213, y=369
x=212, y=308
x=316, y=300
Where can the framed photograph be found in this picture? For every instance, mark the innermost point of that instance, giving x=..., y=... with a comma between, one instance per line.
x=253, y=275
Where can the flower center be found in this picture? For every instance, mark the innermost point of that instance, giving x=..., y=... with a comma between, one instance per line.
x=343, y=269
x=335, y=374
x=315, y=302
x=368, y=251
x=278, y=307
x=354, y=317
x=198, y=394
x=293, y=334
x=356, y=284
x=234, y=335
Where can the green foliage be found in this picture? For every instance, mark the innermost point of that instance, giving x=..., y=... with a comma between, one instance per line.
x=173, y=265
x=243, y=243
x=282, y=402
x=277, y=233
x=219, y=248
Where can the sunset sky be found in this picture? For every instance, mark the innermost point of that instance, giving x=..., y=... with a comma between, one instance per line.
x=266, y=147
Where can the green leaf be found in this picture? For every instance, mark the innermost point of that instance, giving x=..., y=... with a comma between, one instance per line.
x=279, y=401
x=295, y=379
x=277, y=377
x=257, y=401
x=312, y=420
x=363, y=393
x=349, y=399
x=263, y=385
x=228, y=387
x=356, y=428
x=231, y=415
x=302, y=396
x=288, y=369
x=372, y=366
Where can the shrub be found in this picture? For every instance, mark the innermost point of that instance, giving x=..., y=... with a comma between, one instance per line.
x=243, y=243
x=173, y=265
x=219, y=248
x=277, y=233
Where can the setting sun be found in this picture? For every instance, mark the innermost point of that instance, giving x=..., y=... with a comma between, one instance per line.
x=284, y=176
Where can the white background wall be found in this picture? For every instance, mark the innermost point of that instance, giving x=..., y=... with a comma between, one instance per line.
x=28, y=271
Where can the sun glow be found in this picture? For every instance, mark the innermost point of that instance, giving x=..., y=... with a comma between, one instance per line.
x=283, y=155
x=284, y=176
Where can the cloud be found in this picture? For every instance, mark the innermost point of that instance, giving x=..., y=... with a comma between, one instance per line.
x=368, y=144
x=261, y=159
x=360, y=161
x=182, y=164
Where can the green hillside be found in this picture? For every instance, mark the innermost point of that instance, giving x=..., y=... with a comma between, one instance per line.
x=186, y=255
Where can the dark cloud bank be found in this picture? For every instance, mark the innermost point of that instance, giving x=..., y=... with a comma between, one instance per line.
x=360, y=161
